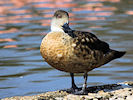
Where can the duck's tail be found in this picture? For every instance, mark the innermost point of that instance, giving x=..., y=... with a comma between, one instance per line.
x=113, y=54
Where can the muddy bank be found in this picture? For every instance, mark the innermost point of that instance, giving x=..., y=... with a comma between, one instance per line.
x=119, y=91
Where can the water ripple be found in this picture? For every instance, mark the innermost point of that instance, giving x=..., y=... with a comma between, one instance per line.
x=23, y=24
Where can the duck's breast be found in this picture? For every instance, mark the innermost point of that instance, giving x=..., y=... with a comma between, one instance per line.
x=56, y=50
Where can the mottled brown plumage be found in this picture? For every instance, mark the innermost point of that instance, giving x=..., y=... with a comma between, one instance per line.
x=74, y=51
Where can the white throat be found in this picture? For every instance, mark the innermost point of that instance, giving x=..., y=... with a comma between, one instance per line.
x=56, y=24
x=55, y=28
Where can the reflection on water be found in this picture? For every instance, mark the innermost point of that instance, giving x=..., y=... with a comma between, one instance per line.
x=23, y=24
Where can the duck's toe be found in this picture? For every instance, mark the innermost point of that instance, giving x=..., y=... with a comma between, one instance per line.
x=81, y=92
x=72, y=90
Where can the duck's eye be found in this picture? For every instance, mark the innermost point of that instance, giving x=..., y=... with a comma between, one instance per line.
x=59, y=16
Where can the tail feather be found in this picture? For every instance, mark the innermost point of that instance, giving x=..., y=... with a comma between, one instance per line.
x=113, y=54
x=119, y=54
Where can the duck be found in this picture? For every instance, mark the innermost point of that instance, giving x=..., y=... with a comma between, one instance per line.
x=74, y=51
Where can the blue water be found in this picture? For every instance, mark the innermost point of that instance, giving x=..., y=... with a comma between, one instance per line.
x=24, y=24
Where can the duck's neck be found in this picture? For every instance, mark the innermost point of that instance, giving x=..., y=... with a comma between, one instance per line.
x=66, y=27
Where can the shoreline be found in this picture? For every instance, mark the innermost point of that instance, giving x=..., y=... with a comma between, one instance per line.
x=119, y=91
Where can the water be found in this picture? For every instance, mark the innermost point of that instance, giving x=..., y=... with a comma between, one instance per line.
x=23, y=24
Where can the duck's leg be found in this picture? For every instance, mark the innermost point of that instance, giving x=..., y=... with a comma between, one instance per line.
x=83, y=91
x=85, y=83
x=74, y=87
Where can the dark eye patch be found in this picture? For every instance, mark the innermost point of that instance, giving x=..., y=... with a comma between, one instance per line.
x=59, y=16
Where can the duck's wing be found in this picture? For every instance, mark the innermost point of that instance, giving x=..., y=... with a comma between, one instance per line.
x=85, y=40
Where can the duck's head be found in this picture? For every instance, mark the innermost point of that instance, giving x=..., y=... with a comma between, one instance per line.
x=60, y=20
